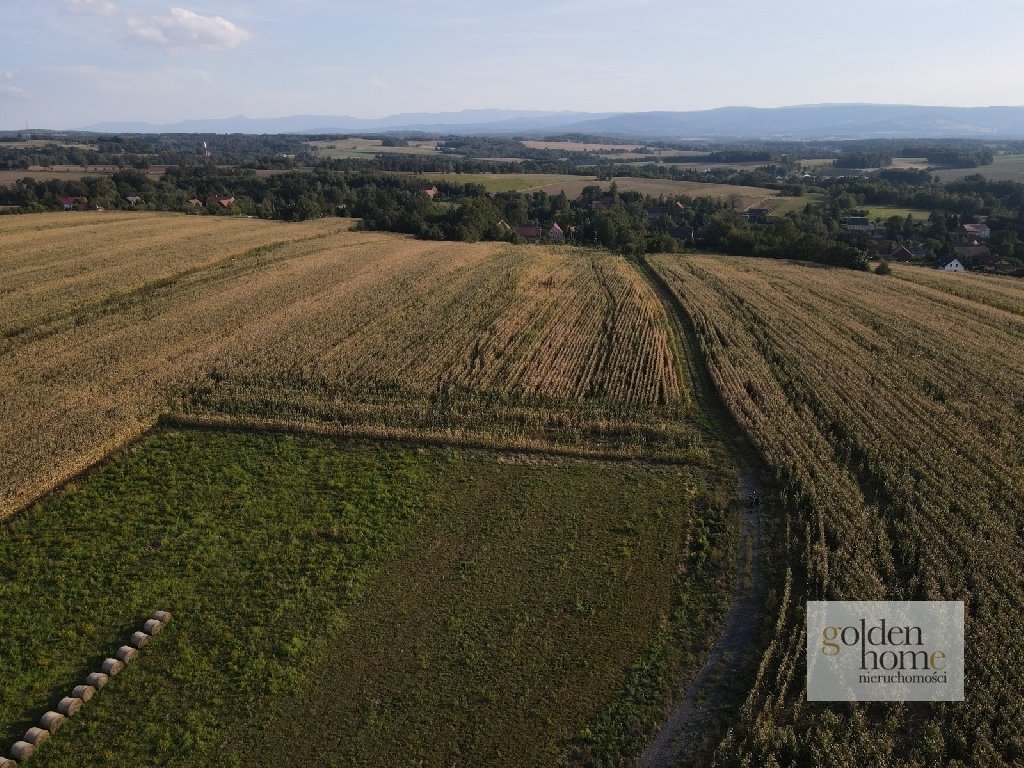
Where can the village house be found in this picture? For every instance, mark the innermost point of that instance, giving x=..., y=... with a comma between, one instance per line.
x=196, y=203
x=858, y=224
x=949, y=264
x=902, y=253
x=757, y=215
x=429, y=190
x=527, y=231
x=979, y=231
x=133, y=200
x=223, y=202
x=70, y=203
x=555, y=234
x=908, y=253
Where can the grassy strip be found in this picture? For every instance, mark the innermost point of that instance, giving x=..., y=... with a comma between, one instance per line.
x=622, y=728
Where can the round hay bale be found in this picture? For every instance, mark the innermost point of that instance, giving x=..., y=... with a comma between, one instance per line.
x=97, y=680
x=139, y=640
x=69, y=705
x=22, y=751
x=164, y=617
x=127, y=654
x=111, y=667
x=153, y=627
x=83, y=692
x=52, y=721
x=5, y=763
x=36, y=736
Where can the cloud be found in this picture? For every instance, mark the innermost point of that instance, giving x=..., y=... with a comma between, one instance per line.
x=97, y=7
x=9, y=89
x=187, y=29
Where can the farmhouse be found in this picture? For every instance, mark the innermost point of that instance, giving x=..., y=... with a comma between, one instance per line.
x=555, y=234
x=979, y=231
x=527, y=231
x=858, y=224
x=757, y=215
x=195, y=202
x=70, y=203
x=429, y=190
x=223, y=202
x=949, y=264
x=901, y=254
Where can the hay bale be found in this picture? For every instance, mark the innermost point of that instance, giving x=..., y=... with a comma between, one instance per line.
x=52, y=721
x=139, y=640
x=97, y=680
x=22, y=751
x=83, y=692
x=69, y=705
x=153, y=627
x=5, y=763
x=36, y=736
x=111, y=667
x=127, y=654
x=164, y=617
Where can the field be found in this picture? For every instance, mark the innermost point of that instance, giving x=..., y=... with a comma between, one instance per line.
x=1003, y=168
x=572, y=186
x=540, y=534
x=119, y=317
x=358, y=148
x=784, y=205
x=33, y=143
x=891, y=409
x=410, y=598
x=476, y=504
x=907, y=163
x=888, y=211
x=57, y=172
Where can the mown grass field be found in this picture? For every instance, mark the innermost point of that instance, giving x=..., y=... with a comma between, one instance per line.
x=885, y=212
x=891, y=409
x=406, y=606
x=1003, y=168
x=359, y=148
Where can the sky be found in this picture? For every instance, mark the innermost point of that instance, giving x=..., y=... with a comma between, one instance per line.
x=70, y=63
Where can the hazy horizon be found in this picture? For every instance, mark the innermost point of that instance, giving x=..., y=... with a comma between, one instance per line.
x=67, y=64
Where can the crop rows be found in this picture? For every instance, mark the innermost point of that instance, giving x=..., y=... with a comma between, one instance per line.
x=107, y=322
x=893, y=413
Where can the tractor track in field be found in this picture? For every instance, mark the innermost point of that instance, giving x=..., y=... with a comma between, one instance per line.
x=682, y=731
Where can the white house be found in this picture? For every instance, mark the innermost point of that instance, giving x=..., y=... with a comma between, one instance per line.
x=949, y=264
x=555, y=234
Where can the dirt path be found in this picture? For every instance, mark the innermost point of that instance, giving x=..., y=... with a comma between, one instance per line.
x=697, y=707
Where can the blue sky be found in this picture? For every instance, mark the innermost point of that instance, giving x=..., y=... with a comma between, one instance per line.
x=70, y=63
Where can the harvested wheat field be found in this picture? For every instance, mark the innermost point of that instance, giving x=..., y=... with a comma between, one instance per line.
x=108, y=320
x=892, y=410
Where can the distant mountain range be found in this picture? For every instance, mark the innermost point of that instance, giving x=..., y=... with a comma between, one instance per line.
x=817, y=121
